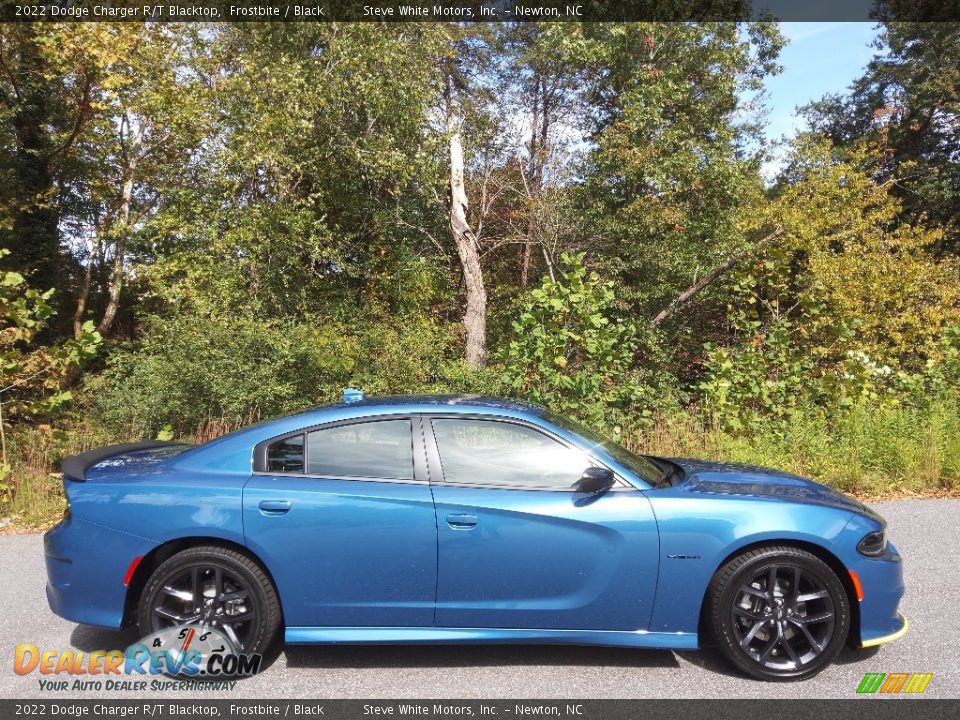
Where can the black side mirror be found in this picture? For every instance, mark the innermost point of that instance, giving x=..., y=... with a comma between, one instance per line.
x=595, y=480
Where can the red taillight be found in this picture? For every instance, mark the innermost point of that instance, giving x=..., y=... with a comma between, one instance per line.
x=856, y=584
x=132, y=569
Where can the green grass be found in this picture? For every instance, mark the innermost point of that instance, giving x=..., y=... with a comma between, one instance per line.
x=870, y=452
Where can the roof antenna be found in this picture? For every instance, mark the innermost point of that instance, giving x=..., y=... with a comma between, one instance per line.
x=351, y=395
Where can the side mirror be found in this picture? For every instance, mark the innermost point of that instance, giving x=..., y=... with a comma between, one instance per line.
x=595, y=480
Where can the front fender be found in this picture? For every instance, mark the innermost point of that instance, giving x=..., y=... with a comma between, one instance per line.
x=699, y=532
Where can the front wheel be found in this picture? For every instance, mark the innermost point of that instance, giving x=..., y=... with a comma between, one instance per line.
x=778, y=613
x=212, y=587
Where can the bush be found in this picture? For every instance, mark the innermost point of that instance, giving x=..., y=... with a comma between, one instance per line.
x=571, y=353
x=193, y=371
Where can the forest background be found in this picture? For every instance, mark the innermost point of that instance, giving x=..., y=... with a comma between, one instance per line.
x=203, y=225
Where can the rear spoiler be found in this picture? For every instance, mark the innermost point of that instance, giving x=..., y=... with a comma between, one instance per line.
x=75, y=466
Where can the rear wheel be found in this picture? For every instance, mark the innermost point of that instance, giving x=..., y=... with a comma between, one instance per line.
x=214, y=587
x=778, y=613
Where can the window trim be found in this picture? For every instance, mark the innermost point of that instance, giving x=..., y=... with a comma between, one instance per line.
x=420, y=472
x=436, y=465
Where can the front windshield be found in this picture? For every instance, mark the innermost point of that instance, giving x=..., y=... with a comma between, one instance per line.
x=648, y=470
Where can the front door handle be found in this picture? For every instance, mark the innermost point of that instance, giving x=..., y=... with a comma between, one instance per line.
x=275, y=507
x=462, y=521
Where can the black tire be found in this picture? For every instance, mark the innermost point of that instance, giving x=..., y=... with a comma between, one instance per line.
x=238, y=578
x=791, y=633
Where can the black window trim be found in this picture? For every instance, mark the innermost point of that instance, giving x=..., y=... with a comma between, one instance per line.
x=420, y=471
x=436, y=467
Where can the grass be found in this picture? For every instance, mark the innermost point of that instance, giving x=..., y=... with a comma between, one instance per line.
x=872, y=453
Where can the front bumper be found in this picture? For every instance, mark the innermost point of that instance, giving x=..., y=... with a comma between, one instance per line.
x=883, y=588
x=888, y=638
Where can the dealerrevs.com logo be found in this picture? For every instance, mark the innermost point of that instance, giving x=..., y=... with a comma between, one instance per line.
x=198, y=658
x=894, y=683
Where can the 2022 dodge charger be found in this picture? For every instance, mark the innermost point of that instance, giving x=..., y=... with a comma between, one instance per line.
x=468, y=519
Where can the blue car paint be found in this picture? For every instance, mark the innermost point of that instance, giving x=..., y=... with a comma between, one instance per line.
x=571, y=564
x=348, y=553
x=628, y=568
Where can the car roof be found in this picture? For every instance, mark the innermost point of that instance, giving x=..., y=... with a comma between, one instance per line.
x=448, y=403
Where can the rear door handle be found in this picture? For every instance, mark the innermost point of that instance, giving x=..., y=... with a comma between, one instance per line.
x=462, y=521
x=275, y=507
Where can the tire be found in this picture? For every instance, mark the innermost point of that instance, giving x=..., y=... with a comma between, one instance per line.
x=245, y=591
x=791, y=634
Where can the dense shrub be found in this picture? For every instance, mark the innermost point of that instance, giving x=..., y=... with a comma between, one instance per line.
x=237, y=370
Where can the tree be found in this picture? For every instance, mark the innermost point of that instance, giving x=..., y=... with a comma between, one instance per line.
x=908, y=103
x=46, y=85
x=547, y=93
x=672, y=181
x=313, y=194
x=462, y=102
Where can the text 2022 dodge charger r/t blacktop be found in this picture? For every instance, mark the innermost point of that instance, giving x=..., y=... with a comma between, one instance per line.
x=468, y=519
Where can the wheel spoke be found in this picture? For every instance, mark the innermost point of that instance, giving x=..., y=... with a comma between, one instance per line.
x=196, y=600
x=748, y=613
x=750, y=590
x=817, y=647
x=785, y=644
x=772, y=584
x=231, y=633
x=795, y=590
x=748, y=638
x=242, y=617
x=812, y=619
x=206, y=595
x=769, y=648
x=184, y=595
x=170, y=615
x=818, y=595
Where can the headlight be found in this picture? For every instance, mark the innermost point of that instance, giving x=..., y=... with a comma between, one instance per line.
x=873, y=544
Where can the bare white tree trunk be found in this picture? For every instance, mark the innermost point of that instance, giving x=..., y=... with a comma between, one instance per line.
x=116, y=277
x=465, y=240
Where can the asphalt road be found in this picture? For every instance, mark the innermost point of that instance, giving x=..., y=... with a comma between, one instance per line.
x=927, y=532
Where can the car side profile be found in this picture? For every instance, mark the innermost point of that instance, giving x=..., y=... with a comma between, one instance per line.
x=466, y=519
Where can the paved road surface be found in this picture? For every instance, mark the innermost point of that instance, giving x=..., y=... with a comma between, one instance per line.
x=927, y=532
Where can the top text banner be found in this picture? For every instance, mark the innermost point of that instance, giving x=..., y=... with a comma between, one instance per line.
x=470, y=11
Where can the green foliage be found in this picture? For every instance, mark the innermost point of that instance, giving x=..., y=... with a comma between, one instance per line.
x=570, y=353
x=188, y=370
x=267, y=206
x=31, y=374
x=867, y=450
x=235, y=370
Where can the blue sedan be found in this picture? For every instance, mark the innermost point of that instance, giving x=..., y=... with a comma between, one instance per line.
x=466, y=519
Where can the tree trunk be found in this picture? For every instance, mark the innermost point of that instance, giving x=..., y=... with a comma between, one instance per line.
x=475, y=317
x=93, y=247
x=119, y=249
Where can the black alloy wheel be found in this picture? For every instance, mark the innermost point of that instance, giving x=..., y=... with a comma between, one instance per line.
x=212, y=587
x=779, y=613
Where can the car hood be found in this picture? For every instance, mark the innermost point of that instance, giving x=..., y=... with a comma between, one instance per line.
x=748, y=480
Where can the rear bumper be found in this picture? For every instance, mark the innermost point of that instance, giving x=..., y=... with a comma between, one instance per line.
x=86, y=564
